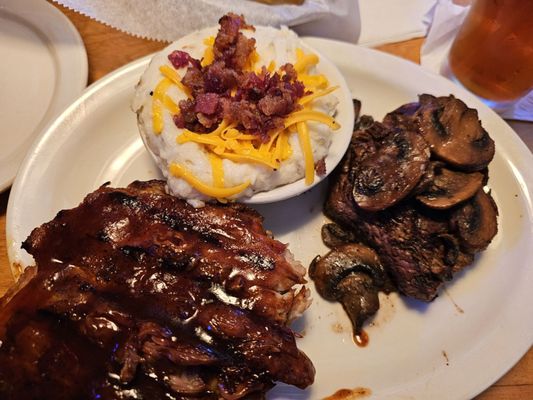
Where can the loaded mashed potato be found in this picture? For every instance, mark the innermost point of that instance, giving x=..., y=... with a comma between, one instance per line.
x=237, y=111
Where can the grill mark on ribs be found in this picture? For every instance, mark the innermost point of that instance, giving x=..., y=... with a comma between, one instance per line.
x=139, y=293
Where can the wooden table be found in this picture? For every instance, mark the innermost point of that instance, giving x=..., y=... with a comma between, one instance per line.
x=109, y=49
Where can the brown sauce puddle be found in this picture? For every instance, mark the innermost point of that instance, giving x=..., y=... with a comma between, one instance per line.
x=361, y=339
x=349, y=394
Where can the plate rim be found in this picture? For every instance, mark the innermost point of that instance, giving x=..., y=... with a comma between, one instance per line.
x=25, y=170
x=513, y=144
x=51, y=25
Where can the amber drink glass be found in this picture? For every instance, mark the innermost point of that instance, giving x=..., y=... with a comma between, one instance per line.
x=492, y=55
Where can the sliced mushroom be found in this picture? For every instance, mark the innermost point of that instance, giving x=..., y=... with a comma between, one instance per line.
x=403, y=117
x=334, y=235
x=426, y=180
x=450, y=188
x=352, y=275
x=476, y=222
x=387, y=176
x=356, y=110
x=359, y=298
x=363, y=123
x=454, y=132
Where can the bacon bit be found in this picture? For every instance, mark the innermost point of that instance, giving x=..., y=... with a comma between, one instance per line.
x=320, y=167
x=219, y=79
x=180, y=59
x=276, y=104
x=194, y=80
x=206, y=103
x=256, y=102
x=231, y=46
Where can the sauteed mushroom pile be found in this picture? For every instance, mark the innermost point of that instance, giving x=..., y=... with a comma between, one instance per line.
x=412, y=189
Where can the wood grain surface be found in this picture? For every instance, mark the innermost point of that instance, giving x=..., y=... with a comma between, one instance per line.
x=108, y=49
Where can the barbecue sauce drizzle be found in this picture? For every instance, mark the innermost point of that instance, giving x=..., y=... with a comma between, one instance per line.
x=124, y=304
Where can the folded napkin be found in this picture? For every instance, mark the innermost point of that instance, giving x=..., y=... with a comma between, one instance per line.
x=368, y=22
x=372, y=22
x=447, y=18
x=385, y=21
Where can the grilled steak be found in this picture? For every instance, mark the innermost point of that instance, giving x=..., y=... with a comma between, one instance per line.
x=139, y=295
x=407, y=206
x=411, y=242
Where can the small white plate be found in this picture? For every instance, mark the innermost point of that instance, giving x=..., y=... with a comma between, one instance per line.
x=452, y=348
x=340, y=139
x=43, y=69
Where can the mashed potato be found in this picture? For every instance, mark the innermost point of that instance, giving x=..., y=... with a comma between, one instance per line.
x=274, y=47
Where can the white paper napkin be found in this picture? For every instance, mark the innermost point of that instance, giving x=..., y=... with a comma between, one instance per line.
x=369, y=22
x=385, y=21
x=447, y=18
x=373, y=22
x=167, y=20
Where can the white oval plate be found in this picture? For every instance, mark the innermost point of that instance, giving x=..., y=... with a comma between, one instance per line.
x=43, y=69
x=453, y=348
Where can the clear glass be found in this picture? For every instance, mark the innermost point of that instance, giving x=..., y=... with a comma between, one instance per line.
x=492, y=54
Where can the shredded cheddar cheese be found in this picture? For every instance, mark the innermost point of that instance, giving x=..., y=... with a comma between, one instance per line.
x=313, y=96
x=252, y=60
x=174, y=77
x=271, y=66
x=227, y=142
x=254, y=158
x=305, y=144
x=217, y=170
x=179, y=171
x=157, y=104
x=304, y=61
x=170, y=105
x=308, y=115
x=314, y=81
x=160, y=98
x=209, y=55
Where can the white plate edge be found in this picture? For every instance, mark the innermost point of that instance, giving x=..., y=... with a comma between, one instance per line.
x=512, y=142
x=75, y=60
